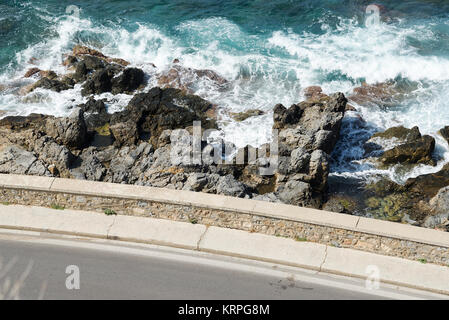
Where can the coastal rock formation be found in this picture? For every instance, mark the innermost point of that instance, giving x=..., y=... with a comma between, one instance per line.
x=186, y=79
x=400, y=145
x=136, y=145
x=140, y=144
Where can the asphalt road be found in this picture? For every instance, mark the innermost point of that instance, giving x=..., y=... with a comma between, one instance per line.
x=118, y=272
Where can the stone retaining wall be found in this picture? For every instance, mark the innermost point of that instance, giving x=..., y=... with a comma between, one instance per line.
x=281, y=220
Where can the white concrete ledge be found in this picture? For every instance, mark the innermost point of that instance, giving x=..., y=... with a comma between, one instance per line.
x=263, y=247
x=219, y=202
x=228, y=242
x=157, y=231
x=392, y=270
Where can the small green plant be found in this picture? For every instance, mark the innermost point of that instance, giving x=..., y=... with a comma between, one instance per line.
x=422, y=260
x=109, y=212
x=6, y=203
x=300, y=239
x=57, y=206
x=193, y=220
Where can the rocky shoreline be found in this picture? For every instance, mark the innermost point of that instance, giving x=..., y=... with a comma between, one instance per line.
x=134, y=146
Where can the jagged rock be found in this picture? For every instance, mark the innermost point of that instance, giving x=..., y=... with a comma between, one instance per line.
x=128, y=81
x=19, y=123
x=196, y=181
x=439, y=205
x=418, y=151
x=340, y=204
x=284, y=117
x=444, y=132
x=91, y=167
x=53, y=154
x=70, y=131
x=93, y=63
x=162, y=109
x=82, y=51
x=15, y=160
x=31, y=72
x=94, y=106
x=296, y=192
x=228, y=186
x=399, y=133
x=42, y=73
x=70, y=61
x=269, y=197
x=185, y=79
x=299, y=160
x=96, y=116
x=428, y=185
x=100, y=82
x=125, y=133
x=242, y=116
x=319, y=170
x=49, y=84
x=164, y=138
x=384, y=94
x=312, y=91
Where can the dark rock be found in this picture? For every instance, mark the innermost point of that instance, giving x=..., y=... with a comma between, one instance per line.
x=94, y=106
x=70, y=131
x=296, y=192
x=70, y=61
x=19, y=123
x=340, y=204
x=241, y=116
x=54, y=85
x=31, y=72
x=125, y=133
x=444, y=132
x=93, y=63
x=162, y=109
x=284, y=117
x=400, y=133
x=100, y=82
x=96, y=116
x=128, y=81
x=418, y=151
x=81, y=72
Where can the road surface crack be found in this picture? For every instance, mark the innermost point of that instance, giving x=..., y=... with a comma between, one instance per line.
x=357, y=223
x=324, y=259
x=201, y=238
x=110, y=227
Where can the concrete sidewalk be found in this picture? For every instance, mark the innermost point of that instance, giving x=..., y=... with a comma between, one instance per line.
x=229, y=242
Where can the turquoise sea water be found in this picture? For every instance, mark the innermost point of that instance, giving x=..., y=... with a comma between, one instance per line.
x=269, y=50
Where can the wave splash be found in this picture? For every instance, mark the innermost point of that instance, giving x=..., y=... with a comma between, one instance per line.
x=264, y=69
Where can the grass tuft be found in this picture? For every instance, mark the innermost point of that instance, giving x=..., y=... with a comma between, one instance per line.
x=110, y=212
x=57, y=206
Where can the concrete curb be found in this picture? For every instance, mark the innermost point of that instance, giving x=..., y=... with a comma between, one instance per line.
x=237, y=243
